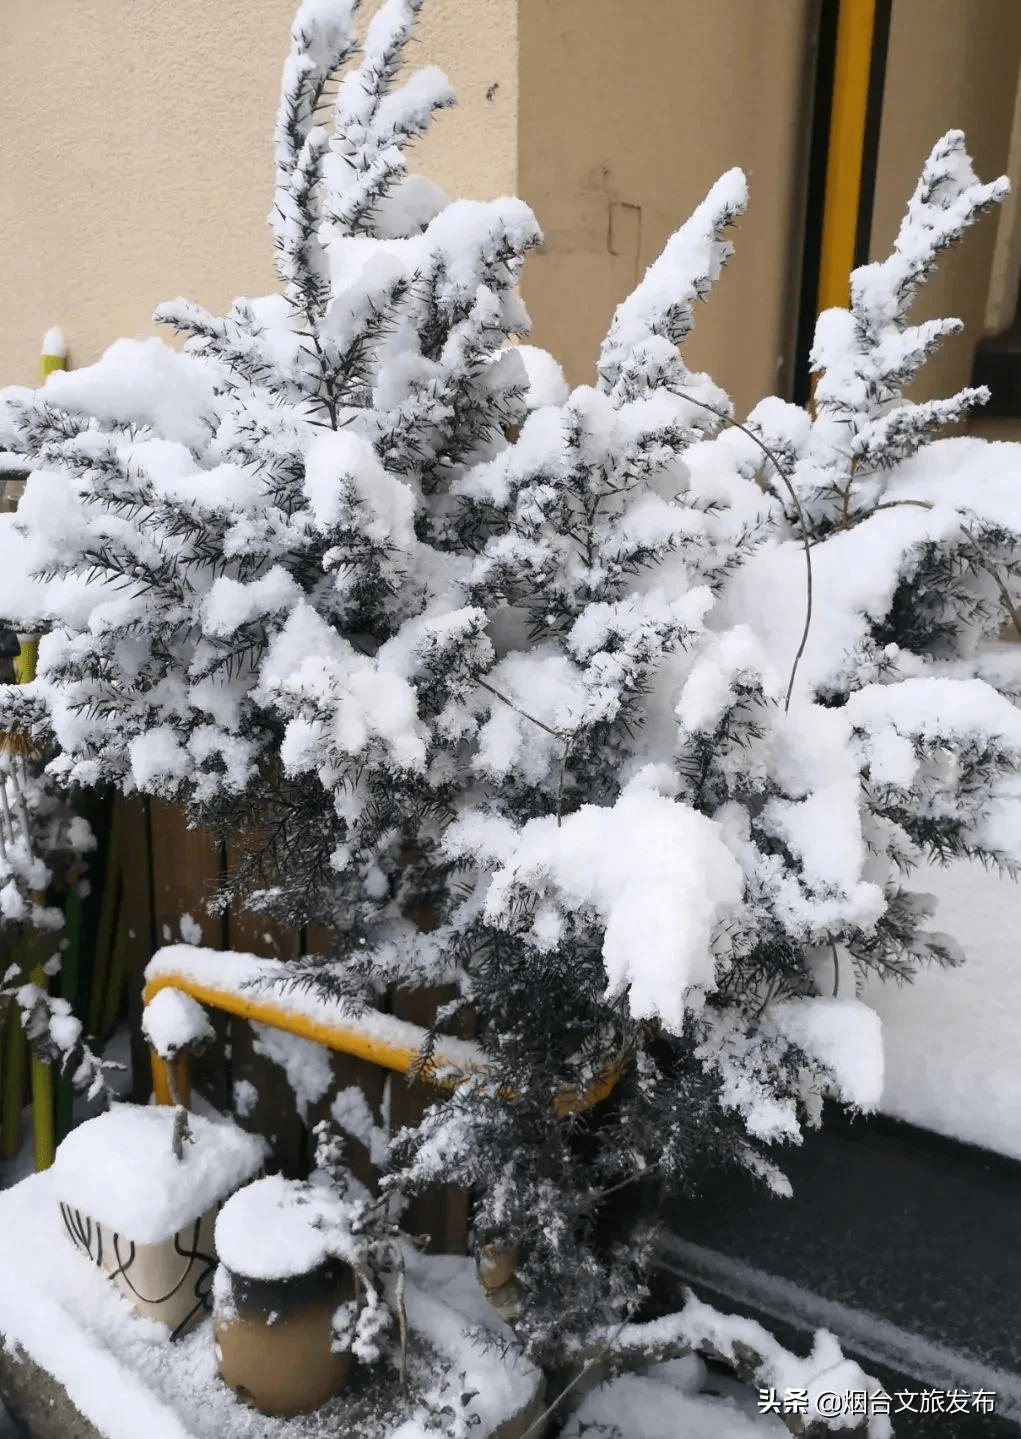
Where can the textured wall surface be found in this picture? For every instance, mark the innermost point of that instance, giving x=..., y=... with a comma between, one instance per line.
x=136, y=156
x=136, y=162
x=627, y=115
x=953, y=64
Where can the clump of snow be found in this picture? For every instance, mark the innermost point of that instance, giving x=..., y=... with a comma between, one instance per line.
x=546, y=383
x=173, y=1021
x=276, y=1228
x=54, y=343
x=119, y=1168
x=344, y=480
x=141, y=382
x=246, y=1097
x=191, y=930
x=658, y=873
x=306, y=1064
x=844, y=1035
x=351, y=1113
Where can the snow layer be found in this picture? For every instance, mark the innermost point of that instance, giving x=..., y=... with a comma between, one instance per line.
x=648, y=1406
x=119, y=1168
x=276, y=1228
x=951, y=1037
x=247, y=979
x=173, y=1021
x=126, y=1377
x=843, y=1035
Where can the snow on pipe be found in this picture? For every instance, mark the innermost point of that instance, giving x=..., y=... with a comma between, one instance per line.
x=229, y=982
x=54, y=354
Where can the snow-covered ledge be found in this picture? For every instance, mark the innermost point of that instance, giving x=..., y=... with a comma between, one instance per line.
x=140, y=1203
x=255, y=989
x=123, y=1376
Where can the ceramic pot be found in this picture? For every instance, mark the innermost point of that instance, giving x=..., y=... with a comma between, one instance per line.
x=273, y=1337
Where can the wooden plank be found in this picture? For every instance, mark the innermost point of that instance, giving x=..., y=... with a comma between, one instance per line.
x=186, y=869
x=250, y=933
x=137, y=929
x=441, y=1211
x=371, y=1080
x=102, y=954
x=272, y=1113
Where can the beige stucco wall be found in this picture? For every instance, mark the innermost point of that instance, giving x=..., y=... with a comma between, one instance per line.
x=627, y=116
x=953, y=64
x=136, y=159
x=136, y=154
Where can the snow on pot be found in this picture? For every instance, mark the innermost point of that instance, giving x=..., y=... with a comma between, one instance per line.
x=144, y=1216
x=285, y=1270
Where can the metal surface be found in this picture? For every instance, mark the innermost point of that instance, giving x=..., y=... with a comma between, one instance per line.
x=902, y=1243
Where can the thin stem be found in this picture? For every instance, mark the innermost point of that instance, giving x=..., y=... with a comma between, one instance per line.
x=1000, y=584
x=566, y=740
x=589, y=1364
x=563, y=776
x=736, y=424
x=557, y=734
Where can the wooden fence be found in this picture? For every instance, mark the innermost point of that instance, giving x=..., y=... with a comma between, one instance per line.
x=167, y=871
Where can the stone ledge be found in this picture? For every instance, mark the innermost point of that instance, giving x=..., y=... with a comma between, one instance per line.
x=38, y=1402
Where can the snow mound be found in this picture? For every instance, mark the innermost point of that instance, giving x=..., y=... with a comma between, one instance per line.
x=174, y=1021
x=276, y=1228
x=120, y=1169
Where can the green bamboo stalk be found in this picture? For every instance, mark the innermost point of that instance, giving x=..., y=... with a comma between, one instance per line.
x=70, y=983
x=13, y=1084
x=42, y=1097
x=25, y=660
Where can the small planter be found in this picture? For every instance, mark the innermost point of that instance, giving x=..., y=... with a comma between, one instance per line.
x=273, y=1338
x=276, y=1292
x=146, y=1218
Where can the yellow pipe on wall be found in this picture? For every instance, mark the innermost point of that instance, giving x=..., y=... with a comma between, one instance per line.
x=171, y=1077
x=347, y=1038
x=855, y=30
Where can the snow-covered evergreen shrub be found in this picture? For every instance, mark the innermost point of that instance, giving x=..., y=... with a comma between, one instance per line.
x=356, y=574
x=43, y=844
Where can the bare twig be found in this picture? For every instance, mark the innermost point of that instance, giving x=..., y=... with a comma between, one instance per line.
x=565, y=739
x=788, y=485
x=563, y=776
x=557, y=734
x=181, y=1132
x=586, y=1368
x=987, y=563
x=402, y=1315
x=1000, y=584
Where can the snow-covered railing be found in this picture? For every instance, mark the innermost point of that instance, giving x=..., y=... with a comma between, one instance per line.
x=252, y=988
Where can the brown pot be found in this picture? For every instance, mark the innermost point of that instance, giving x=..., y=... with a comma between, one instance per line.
x=273, y=1338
